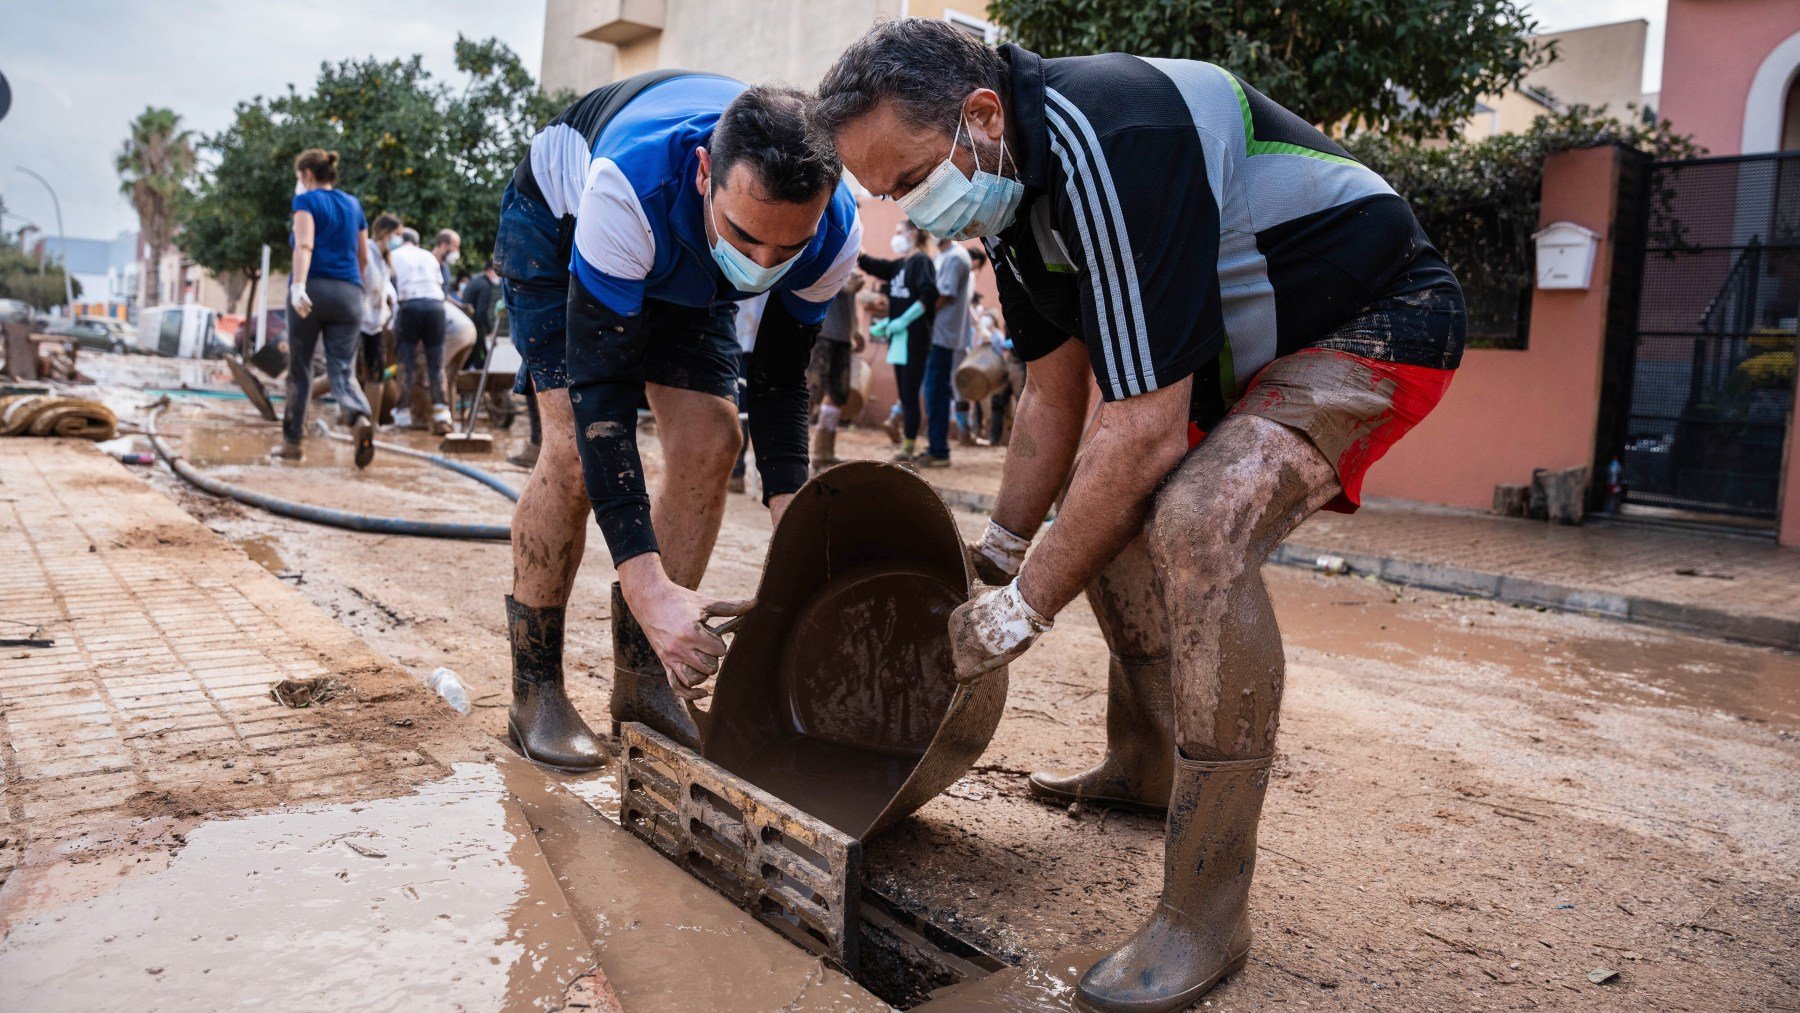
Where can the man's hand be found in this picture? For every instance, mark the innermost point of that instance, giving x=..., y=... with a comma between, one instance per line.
x=999, y=554
x=298, y=298
x=674, y=620
x=777, y=506
x=991, y=629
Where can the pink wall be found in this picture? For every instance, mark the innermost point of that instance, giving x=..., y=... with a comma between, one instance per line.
x=1712, y=51
x=1508, y=412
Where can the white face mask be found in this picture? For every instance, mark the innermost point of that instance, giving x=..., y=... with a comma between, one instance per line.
x=452, y=257
x=299, y=188
x=950, y=205
x=900, y=245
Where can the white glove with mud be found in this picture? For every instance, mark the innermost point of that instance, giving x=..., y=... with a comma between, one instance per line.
x=991, y=629
x=298, y=298
x=999, y=554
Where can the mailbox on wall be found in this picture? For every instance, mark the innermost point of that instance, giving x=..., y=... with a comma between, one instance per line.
x=1565, y=255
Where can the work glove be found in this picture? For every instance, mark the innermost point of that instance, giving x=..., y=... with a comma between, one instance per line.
x=991, y=629
x=999, y=554
x=298, y=299
x=879, y=328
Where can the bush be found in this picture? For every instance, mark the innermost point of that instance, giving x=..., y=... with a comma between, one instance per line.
x=1479, y=202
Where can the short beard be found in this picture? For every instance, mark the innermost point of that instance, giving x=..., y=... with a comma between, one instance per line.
x=987, y=158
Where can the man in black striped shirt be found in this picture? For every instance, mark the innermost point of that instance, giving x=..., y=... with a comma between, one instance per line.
x=1263, y=318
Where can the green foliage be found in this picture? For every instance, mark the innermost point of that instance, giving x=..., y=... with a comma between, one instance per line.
x=154, y=167
x=407, y=144
x=1414, y=68
x=24, y=279
x=1479, y=202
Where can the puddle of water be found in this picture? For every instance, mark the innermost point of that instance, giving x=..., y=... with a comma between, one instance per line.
x=439, y=900
x=262, y=549
x=666, y=940
x=1632, y=666
x=1049, y=986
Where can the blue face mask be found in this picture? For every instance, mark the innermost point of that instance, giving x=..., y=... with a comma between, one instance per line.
x=741, y=272
x=393, y=242
x=950, y=205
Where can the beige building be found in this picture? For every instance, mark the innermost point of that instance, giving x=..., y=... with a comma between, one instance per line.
x=590, y=42
x=1602, y=65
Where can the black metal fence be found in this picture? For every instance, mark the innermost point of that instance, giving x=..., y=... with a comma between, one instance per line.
x=1713, y=371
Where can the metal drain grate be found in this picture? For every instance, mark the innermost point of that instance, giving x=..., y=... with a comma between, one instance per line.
x=791, y=870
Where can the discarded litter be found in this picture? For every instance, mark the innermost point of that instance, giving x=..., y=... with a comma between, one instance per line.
x=444, y=683
x=302, y=693
x=1602, y=975
x=1337, y=566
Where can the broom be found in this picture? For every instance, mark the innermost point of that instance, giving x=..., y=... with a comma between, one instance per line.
x=466, y=442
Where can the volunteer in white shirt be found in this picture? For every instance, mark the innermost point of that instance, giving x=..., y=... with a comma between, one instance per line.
x=418, y=280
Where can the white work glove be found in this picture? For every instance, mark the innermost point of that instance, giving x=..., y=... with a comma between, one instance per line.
x=298, y=299
x=999, y=554
x=991, y=629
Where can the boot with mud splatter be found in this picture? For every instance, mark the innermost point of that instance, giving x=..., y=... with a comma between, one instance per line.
x=640, y=690
x=1199, y=933
x=1140, y=744
x=542, y=723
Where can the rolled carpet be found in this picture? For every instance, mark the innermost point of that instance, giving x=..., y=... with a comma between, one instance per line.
x=48, y=415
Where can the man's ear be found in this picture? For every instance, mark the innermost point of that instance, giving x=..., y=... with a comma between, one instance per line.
x=703, y=174
x=985, y=112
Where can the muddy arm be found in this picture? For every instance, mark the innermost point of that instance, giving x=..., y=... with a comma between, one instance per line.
x=606, y=381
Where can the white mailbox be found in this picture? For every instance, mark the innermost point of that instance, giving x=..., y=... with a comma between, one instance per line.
x=1565, y=255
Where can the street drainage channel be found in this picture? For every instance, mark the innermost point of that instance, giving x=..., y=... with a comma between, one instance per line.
x=835, y=714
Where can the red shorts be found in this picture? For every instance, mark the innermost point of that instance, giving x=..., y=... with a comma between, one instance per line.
x=1352, y=408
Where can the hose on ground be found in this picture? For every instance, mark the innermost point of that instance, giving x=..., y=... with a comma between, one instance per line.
x=486, y=478
x=375, y=523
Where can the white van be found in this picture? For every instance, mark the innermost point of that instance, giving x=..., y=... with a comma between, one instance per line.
x=182, y=332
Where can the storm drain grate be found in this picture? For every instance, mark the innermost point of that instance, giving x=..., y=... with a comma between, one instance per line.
x=794, y=872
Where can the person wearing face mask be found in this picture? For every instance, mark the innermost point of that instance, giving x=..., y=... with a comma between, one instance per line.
x=446, y=248
x=379, y=298
x=640, y=216
x=1264, y=318
x=912, y=297
x=325, y=301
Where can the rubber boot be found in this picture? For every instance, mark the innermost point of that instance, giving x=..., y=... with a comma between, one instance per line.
x=542, y=723
x=1140, y=743
x=1200, y=931
x=640, y=689
x=824, y=448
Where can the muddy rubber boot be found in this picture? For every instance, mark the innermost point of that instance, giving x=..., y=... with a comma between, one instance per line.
x=824, y=448
x=362, y=434
x=640, y=690
x=1200, y=931
x=527, y=456
x=1140, y=743
x=288, y=451
x=542, y=723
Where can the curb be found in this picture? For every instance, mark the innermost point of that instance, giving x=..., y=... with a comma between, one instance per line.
x=1763, y=631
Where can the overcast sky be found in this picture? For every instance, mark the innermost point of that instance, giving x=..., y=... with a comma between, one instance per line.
x=82, y=69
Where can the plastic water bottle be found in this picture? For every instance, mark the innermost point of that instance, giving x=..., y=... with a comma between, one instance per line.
x=444, y=683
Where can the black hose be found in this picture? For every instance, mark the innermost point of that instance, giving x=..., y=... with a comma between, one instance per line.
x=486, y=478
x=327, y=515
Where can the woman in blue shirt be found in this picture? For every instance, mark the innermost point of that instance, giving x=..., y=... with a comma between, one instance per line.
x=330, y=241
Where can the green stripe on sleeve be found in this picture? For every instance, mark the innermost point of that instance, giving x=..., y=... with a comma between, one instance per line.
x=1252, y=146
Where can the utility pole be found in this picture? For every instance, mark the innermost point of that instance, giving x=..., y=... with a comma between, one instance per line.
x=63, y=237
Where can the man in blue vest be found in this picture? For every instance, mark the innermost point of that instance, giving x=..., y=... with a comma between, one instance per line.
x=642, y=215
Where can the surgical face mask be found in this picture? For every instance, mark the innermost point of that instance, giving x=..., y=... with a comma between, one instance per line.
x=393, y=241
x=452, y=257
x=741, y=272
x=299, y=188
x=900, y=245
x=950, y=205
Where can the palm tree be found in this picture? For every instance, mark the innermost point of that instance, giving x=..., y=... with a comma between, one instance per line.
x=154, y=166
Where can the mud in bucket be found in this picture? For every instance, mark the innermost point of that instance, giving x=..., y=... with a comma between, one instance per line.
x=838, y=694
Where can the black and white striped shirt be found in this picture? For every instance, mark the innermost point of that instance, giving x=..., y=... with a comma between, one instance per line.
x=1181, y=224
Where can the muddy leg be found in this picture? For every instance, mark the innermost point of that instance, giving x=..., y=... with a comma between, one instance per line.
x=1140, y=734
x=700, y=441
x=1213, y=524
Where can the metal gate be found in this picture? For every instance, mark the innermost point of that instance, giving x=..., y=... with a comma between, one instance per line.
x=1712, y=380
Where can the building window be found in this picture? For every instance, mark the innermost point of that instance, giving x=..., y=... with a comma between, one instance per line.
x=981, y=28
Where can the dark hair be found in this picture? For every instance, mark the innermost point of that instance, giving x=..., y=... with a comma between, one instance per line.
x=385, y=222
x=765, y=128
x=321, y=164
x=926, y=66
x=978, y=257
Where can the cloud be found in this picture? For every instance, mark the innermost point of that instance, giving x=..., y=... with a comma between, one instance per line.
x=82, y=69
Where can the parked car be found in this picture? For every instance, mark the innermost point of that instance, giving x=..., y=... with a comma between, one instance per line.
x=13, y=310
x=92, y=332
x=185, y=332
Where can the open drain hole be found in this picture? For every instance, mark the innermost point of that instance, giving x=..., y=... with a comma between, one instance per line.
x=902, y=957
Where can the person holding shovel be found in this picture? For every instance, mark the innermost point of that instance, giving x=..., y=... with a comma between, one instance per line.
x=641, y=215
x=1264, y=319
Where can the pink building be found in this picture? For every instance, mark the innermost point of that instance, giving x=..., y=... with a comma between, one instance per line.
x=1731, y=74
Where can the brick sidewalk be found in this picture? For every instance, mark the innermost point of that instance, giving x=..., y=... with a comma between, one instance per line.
x=1720, y=585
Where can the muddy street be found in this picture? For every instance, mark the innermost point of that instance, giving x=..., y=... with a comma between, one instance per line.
x=1473, y=805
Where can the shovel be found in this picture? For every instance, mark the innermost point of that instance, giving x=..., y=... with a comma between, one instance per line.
x=466, y=442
